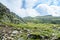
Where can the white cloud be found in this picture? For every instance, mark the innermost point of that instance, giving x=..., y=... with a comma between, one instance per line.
x=12, y=4
x=32, y=12
x=53, y=10
x=27, y=12
x=15, y=6
x=30, y=3
x=35, y=0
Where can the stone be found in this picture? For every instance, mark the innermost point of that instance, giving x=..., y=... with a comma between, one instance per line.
x=58, y=38
x=46, y=37
x=33, y=36
x=15, y=32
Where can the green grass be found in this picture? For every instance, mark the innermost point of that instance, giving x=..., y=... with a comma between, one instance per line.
x=38, y=29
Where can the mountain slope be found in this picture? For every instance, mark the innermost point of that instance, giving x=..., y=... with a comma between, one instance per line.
x=7, y=16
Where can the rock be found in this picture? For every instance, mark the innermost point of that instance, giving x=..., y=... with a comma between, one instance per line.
x=12, y=35
x=21, y=32
x=2, y=25
x=58, y=38
x=33, y=36
x=21, y=38
x=9, y=38
x=46, y=37
x=18, y=29
x=15, y=32
x=26, y=30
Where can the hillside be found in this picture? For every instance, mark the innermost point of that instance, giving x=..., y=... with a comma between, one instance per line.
x=43, y=19
x=7, y=16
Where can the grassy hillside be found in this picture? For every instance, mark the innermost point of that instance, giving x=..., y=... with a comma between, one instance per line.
x=7, y=16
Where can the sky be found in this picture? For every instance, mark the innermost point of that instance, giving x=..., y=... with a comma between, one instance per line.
x=33, y=7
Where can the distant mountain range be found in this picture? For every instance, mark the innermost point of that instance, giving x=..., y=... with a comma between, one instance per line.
x=43, y=19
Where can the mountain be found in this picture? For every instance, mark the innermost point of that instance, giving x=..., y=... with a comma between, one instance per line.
x=7, y=16
x=43, y=19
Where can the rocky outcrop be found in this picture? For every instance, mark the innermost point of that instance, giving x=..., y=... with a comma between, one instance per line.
x=8, y=33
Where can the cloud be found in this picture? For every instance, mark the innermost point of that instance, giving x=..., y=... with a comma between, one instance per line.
x=49, y=2
x=55, y=10
x=28, y=12
x=12, y=4
x=52, y=10
x=30, y=3
x=15, y=6
x=41, y=7
x=32, y=12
